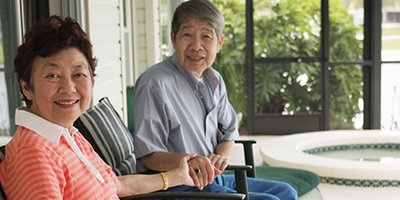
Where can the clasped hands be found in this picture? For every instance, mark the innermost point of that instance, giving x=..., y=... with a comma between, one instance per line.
x=204, y=169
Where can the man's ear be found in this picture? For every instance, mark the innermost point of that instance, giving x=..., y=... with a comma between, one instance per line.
x=173, y=39
x=220, y=42
x=26, y=90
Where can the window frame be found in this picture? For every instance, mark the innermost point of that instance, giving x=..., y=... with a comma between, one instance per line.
x=287, y=124
x=12, y=37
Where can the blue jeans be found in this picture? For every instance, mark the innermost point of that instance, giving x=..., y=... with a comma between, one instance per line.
x=259, y=189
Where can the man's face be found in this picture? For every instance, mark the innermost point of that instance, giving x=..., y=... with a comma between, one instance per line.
x=196, y=45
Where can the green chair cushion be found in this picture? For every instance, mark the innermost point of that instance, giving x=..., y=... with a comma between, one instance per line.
x=301, y=180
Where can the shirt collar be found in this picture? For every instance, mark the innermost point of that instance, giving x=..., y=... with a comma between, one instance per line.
x=208, y=74
x=50, y=131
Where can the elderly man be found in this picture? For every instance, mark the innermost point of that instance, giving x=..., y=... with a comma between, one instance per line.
x=181, y=107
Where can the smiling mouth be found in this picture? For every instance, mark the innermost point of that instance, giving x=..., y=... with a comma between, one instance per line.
x=66, y=103
x=196, y=57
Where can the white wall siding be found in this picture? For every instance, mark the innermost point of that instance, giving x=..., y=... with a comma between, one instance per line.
x=104, y=19
x=147, y=35
x=103, y=23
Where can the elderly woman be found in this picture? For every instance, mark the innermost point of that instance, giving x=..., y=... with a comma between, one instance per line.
x=48, y=158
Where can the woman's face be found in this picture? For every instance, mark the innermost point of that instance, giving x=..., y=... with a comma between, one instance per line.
x=61, y=87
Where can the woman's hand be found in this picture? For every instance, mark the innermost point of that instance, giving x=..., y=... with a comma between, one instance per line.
x=128, y=185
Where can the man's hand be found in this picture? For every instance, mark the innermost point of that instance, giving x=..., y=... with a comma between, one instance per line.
x=184, y=168
x=220, y=162
x=202, y=171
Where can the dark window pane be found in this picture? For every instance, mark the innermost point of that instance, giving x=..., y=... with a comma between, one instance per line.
x=230, y=61
x=390, y=98
x=346, y=20
x=4, y=116
x=390, y=84
x=287, y=28
x=287, y=88
x=390, y=31
x=346, y=104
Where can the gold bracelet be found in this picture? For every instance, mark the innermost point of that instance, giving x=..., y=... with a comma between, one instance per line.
x=165, y=180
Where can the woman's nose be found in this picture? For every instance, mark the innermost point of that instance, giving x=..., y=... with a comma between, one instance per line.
x=67, y=85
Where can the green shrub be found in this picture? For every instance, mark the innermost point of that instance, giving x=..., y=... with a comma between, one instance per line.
x=291, y=28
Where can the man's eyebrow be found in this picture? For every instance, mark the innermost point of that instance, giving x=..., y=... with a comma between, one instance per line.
x=204, y=28
x=49, y=65
x=208, y=29
x=186, y=27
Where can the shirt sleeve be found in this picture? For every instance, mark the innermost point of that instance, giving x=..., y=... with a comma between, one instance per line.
x=151, y=117
x=227, y=123
x=34, y=175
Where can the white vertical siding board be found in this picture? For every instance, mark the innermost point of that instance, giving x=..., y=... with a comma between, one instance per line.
x=152, y=31
x=106, y=38
x=123, y=74
x=147, y=34
x=105, y=32
x=138, y=35
x=105, y=3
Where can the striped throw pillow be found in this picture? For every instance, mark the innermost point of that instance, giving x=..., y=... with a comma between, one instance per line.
x=102, y=126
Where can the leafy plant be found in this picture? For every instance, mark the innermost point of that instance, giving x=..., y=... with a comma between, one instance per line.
x=230, y=62
x=291, y=28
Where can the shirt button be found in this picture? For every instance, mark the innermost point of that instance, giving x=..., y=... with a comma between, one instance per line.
x=208, y=139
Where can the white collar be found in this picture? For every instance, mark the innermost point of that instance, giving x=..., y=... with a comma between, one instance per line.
x=52, y=132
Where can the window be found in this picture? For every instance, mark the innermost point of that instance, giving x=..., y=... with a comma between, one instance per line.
x=167, y=11
x=14, y=20
x=313, y=64
x=390, y=98
x=10, y=35
x=346, y=40
x=393, y=17
x=4, y=116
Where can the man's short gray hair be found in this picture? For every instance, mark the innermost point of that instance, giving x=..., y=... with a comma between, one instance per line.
x=202, y=9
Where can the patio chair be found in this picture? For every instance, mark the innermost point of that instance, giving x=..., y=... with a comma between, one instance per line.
x=102, y=126
x=303, y=181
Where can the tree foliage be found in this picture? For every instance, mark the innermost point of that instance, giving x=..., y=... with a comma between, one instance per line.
x=291, y=28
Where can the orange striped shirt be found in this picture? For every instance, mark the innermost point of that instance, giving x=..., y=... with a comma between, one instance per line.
x=36, y=168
